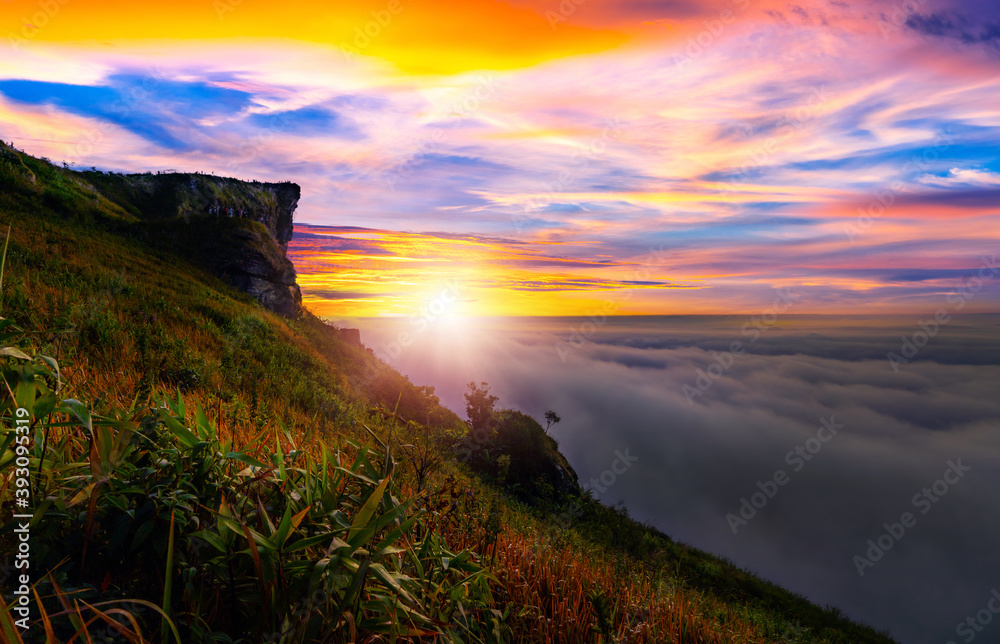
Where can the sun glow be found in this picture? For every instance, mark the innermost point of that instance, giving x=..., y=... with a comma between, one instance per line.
x=453, y=322
x=443, y=280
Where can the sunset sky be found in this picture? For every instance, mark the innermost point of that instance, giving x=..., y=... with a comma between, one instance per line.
x=555, y=158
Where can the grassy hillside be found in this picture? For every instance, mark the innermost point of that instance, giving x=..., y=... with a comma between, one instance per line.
x=205, y=470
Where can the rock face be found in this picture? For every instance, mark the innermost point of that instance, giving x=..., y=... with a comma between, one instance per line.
x=351, y=336
x=222, y=235
x=256, y=267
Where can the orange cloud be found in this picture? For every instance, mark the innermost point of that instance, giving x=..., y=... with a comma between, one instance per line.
x=367, y=273
x=425, y=37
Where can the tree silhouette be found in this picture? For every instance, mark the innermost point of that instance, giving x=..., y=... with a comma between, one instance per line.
x=479, y=406
x=551, y=418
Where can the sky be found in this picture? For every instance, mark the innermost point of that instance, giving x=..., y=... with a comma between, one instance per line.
x=554, y=158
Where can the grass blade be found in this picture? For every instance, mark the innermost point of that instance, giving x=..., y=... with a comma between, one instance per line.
x=168, y=584
x=362, y=520
x=3, y=264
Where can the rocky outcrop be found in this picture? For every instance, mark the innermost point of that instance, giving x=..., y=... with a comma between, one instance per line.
x=222, y=234
x=258, y=266
x=350, y=336
x=192, y=195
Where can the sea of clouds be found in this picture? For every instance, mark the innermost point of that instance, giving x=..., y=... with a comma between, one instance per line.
x=796, y=446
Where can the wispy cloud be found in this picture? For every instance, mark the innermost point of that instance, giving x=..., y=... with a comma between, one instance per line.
x=964, y=177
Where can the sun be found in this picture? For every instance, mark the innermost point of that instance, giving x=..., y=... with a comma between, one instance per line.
x=453, y=321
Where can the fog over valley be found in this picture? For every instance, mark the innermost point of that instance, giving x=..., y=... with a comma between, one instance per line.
x=796, y=446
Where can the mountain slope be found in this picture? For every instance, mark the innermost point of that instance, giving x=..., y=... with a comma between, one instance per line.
x=150, y=308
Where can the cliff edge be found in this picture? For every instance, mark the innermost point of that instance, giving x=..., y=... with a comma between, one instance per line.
x=238, y=230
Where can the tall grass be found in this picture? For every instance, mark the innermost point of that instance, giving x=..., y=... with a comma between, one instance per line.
x=271, y=544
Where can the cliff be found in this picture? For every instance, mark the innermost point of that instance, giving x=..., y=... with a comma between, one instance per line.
x=238, y=230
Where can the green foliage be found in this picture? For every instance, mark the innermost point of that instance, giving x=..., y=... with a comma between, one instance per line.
x=284, y=549
x=479, y=406
x=512, y=449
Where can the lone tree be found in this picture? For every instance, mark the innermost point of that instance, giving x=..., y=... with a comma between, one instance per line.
x=551, y=418
x=422, y=452
x=479, y=406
